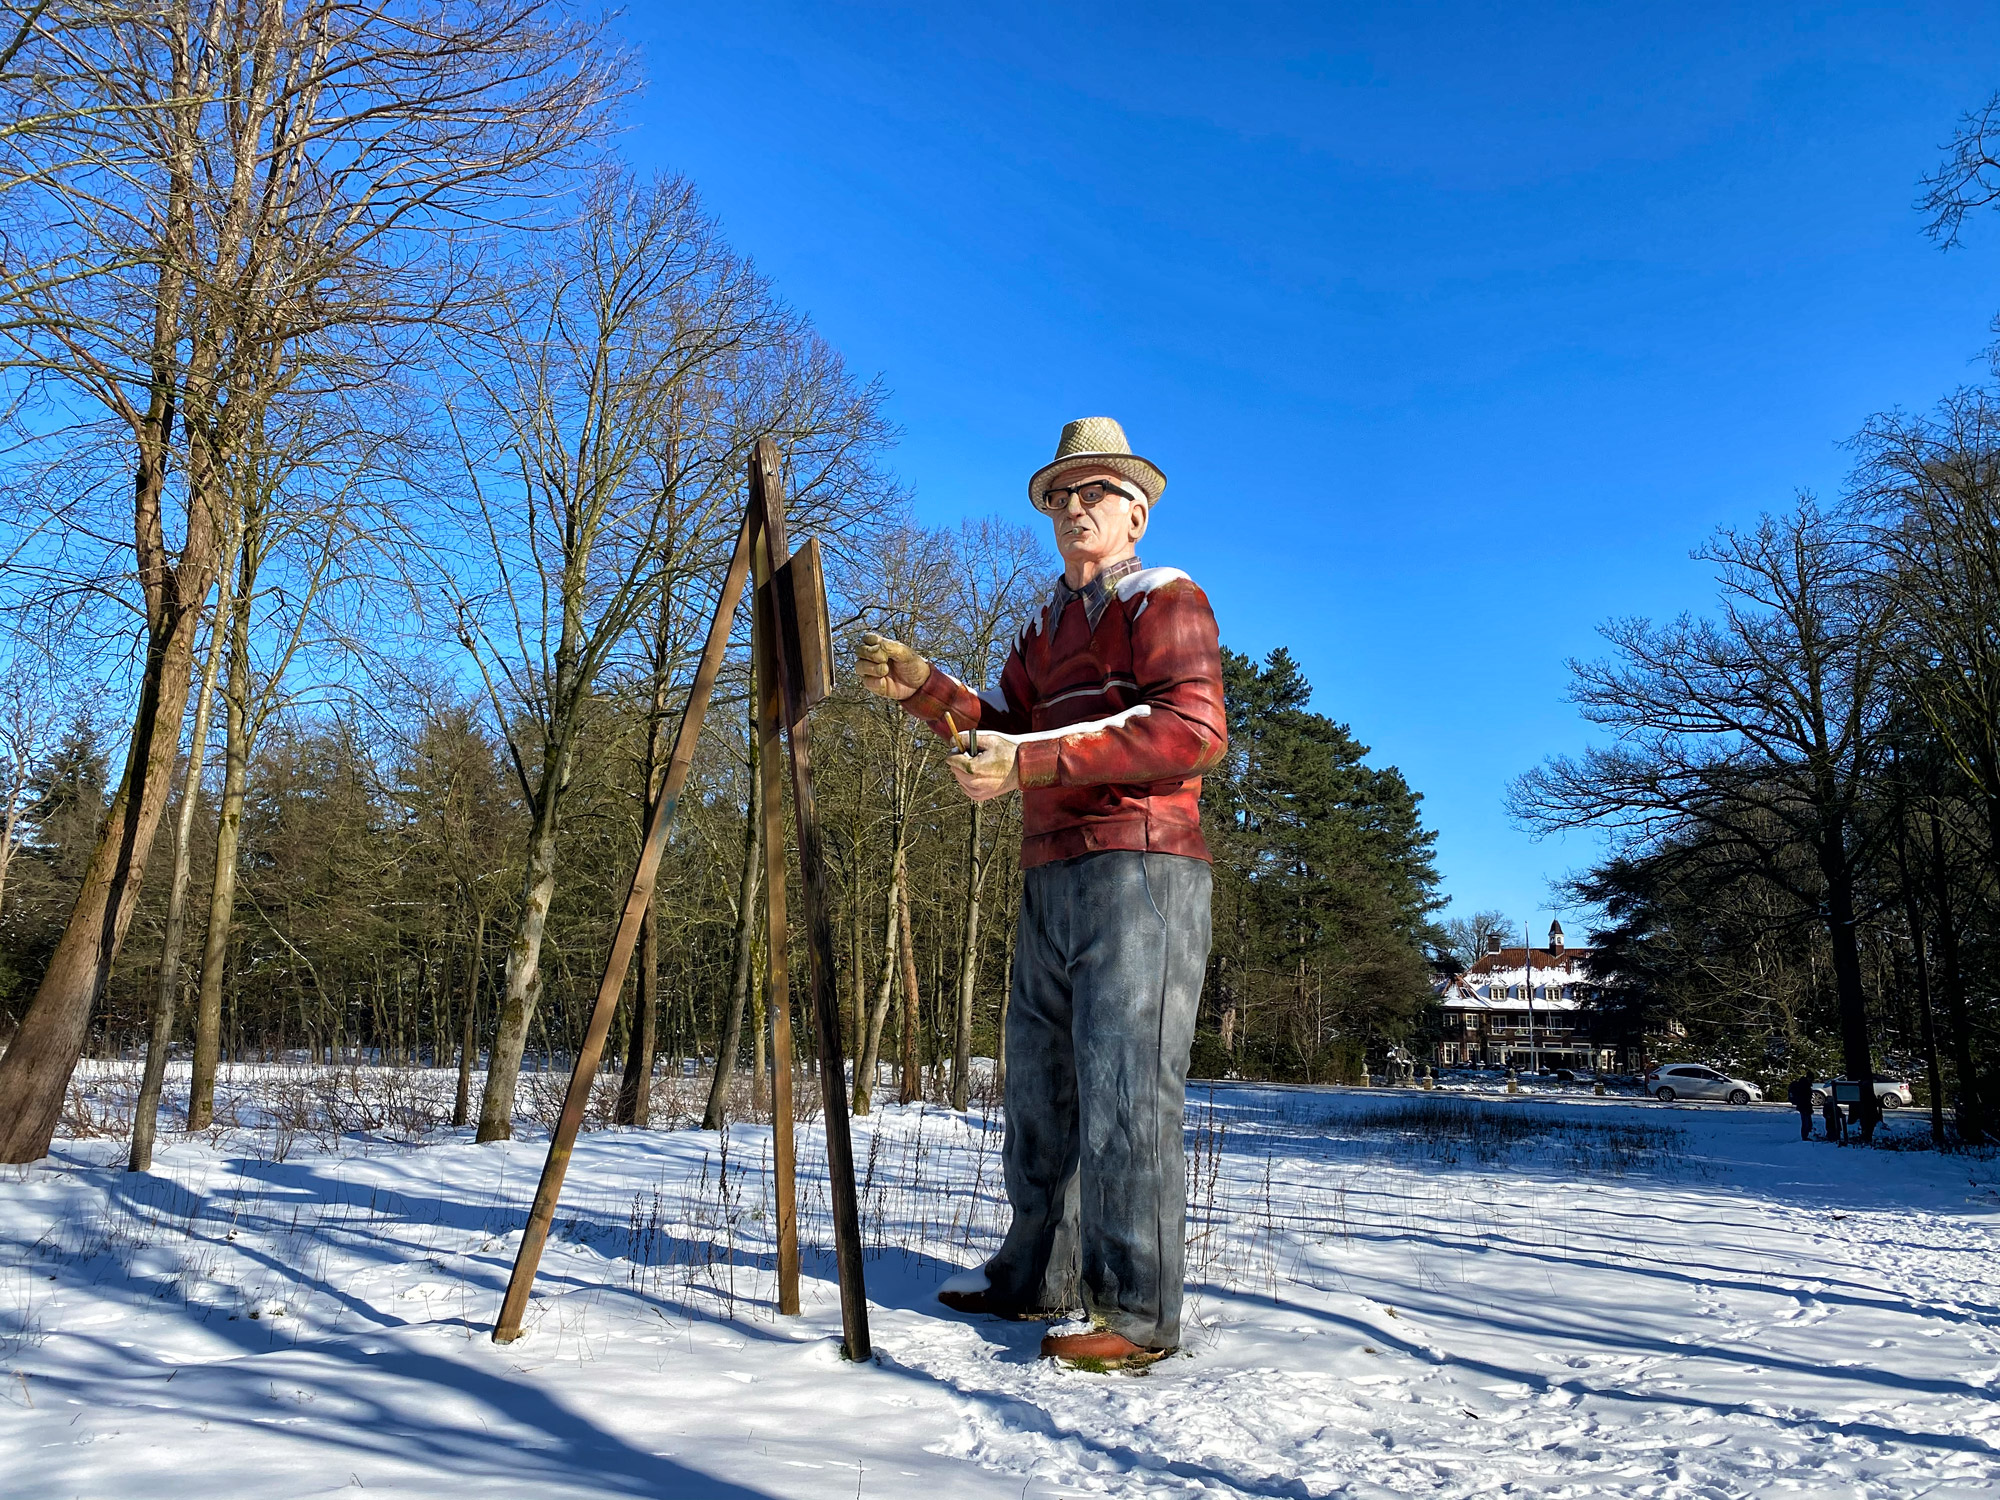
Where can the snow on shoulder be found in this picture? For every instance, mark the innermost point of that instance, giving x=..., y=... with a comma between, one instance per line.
x=1147, y=579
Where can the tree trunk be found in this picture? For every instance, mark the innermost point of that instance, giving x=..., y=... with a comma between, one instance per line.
x=910, y=1080
x=1926, y=1024
x=1855, y=1054
x=857, y=943
x=34, y=1074
x=715, y=1116
x=760, y=1083
x=635, y=1089
x=228, y=842
x=146, y=1114
x=7, y=826
x=1913, y=915
x=878, y=1014
x=1951, y=980
x=968, y=975
x=522, y=987
x=468, y=1043
x=1993, y=823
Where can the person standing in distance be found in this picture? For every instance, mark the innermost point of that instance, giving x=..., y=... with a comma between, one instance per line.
x=1800, y=1094
x=1107, y=713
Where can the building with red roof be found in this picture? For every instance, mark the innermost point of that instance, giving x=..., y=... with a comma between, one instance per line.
x=1523, y=1008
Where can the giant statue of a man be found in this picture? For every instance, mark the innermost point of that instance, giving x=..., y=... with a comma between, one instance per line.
x=1108, y=711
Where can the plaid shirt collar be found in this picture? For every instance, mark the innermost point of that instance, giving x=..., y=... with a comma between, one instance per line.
x=1094, y=594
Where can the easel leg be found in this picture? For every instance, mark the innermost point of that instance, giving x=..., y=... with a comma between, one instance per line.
x=638, y=899
x=777, y=990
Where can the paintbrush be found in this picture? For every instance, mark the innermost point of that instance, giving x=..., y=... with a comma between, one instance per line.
x=970, y=744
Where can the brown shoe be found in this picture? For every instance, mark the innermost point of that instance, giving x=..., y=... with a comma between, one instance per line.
x=984, y=1303
x=1100, y=1349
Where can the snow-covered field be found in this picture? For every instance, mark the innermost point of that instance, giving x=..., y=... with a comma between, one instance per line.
x=1478, y=1298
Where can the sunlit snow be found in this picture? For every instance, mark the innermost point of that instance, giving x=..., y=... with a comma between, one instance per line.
x=1514, y=1296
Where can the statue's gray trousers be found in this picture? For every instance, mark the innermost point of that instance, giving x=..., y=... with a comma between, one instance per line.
x=1107, y=976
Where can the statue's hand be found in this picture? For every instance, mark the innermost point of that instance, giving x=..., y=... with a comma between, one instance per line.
x=989, y=774
x=889, y=669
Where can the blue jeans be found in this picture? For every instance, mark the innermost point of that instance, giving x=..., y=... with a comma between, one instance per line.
x=1108, y=967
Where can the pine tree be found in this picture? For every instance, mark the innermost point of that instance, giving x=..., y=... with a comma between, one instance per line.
x=1324, y=885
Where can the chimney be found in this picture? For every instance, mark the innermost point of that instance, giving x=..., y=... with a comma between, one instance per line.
x=1555, y=937
x=1492, y=942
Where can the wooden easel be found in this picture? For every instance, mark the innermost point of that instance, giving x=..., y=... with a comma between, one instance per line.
x=793, y=653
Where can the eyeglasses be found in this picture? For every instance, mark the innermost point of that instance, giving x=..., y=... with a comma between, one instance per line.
x=1055, y=500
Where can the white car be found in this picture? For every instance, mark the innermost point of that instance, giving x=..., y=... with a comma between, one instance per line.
x=1693, y=1081
x=1890, y=1093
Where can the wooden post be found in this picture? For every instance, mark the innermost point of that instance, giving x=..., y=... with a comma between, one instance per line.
x=795, y=655
x=777, y=979
x=637, y=900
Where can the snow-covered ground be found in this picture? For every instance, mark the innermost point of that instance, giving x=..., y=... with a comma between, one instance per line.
x=1483, y=1297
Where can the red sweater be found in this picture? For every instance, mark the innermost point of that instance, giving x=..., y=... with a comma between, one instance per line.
x=1115, y=724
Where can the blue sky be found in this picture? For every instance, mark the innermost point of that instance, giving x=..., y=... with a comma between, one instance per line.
x=1455, y=327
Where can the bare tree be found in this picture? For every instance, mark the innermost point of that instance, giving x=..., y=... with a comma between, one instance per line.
x=635, y=1088
x=146, y=1114
x=1934, y=485
x=909, y=1064
x=215, y=196
x=729, y=1037
x=1469, y=936
x=913, y=583
x=298, y=506
x=600, y=452
x=1762, y=729
x=31, y=711
x=1003, y=573
x=1968, y=179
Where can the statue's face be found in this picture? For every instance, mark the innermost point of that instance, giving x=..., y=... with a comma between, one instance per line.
x=1100, y=533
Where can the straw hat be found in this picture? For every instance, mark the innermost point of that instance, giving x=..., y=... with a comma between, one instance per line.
x=1099, y=440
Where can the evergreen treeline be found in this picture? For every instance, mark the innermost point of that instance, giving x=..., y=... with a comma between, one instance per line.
x=1324, y=889
x=381, y=857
